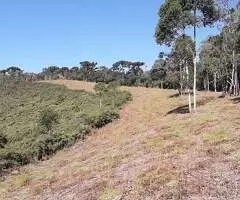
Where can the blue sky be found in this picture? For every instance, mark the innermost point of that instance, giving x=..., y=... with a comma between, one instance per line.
x=39, y=33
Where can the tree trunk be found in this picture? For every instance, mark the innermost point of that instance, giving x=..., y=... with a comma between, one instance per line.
x=181, y=80
x=236, y=83
x=184, y=80
x=188, y=91
x=195, y=64
x=234, y=74
x=231, y=82
x=205, y=83
x=208, y=88
x=215, y=81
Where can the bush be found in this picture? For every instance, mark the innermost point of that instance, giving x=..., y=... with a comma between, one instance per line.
x=110, y=95
x=100, y=119
x=3, y=140
x=48, y=117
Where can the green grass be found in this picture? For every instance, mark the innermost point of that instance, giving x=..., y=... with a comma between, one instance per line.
x=37, y=119
x=110, y=194
x=216, y=138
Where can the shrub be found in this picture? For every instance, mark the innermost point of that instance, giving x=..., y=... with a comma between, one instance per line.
x=100, y=119
x=48, y=117
x=3, y=140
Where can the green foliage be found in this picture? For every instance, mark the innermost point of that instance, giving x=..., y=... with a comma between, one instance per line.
x=172, y=18
x=219, y=58
x=48, y=118
x=38, y=119
x=176, y=15
x=101, y=89
x=158, y=71
x=98, y=120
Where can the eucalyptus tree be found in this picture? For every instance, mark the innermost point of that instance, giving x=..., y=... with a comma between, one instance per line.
x=211, y=61
x=74, y=73
x=176, y=15
x=103, y=74
x=88, y=69
x=136, y=70
x=182, y=52
x=51, y=72
x=231, y=35
x=159, y=71
x=65, y=72
x=121, y=67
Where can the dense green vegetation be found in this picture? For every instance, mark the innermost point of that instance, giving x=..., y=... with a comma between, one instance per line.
x=37, y=119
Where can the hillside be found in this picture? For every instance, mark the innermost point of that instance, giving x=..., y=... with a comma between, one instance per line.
x=38, y=119
x=154, y=151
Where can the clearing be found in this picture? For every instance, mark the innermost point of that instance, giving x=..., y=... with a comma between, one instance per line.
x=154, y=151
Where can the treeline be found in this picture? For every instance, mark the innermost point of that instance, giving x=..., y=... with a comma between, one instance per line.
x=15, y=73
x=123, y=72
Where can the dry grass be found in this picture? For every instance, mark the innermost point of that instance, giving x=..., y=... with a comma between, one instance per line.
x=73, y=85
x=146, y=154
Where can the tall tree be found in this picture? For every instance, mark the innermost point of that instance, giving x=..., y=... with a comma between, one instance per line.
x=182, y=52
x=211, y=61
x=231, y=37
x=88, y=69
x=205, y=12
x=135, y=68
x=159, y=71
x=176, y=15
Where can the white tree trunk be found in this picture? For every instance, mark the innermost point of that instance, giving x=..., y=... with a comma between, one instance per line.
x=181, y=80
x=235, y=76
x=188, y=91
x=215, y=81
x=207, y=82
x=195, y=65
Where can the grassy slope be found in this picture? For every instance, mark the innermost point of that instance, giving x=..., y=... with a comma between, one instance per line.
x=147, y=154
x=20, y=110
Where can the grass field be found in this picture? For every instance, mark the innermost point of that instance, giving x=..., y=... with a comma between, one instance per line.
x=37, y=119
x=154, y=151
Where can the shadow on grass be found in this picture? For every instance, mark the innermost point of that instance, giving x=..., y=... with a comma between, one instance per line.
x=174, y=95
x=222, y=96
x=184, y=109
x=178, y=95
x=236, y=100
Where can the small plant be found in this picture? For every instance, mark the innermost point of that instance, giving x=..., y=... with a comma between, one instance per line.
x=101, y=89
x=110, y=194
x=48, y=117
x=3, y=140
x=22, y=180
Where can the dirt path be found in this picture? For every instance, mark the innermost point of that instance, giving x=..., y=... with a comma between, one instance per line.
x=146, y=154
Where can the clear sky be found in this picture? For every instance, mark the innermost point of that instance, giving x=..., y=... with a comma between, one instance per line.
x=38, y=33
